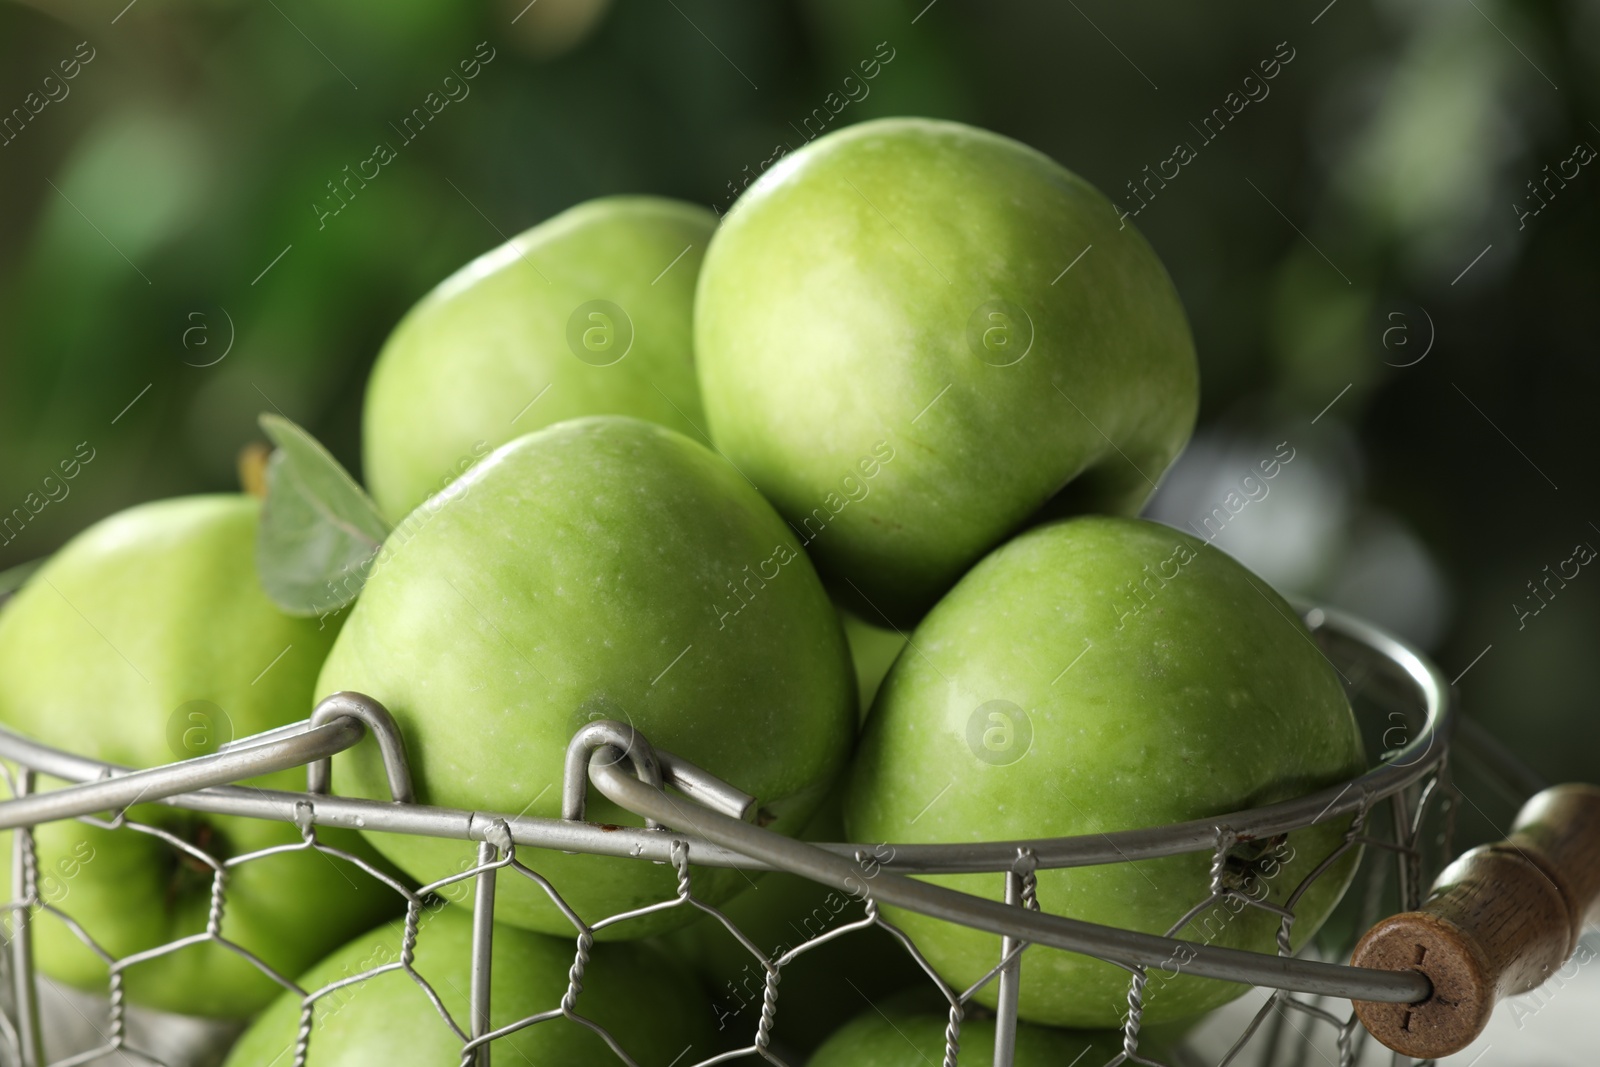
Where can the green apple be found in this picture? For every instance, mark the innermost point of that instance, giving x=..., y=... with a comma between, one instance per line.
x=873, y=650
x=602, y=568
x=822, y=987
x=959, y=303
x=587, y=313
x=145, y=640
x=1101, y=674
x=902, y=1038
x=653, y=1008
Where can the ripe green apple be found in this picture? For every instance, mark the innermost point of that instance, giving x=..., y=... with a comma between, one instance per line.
x=602, y=568
x=904, y=1038
x=872, y=650
x=654, y=1008
x=587, y=313
x=1101, y=674
x=145, y=640
x=822, y=987
x=955, y=300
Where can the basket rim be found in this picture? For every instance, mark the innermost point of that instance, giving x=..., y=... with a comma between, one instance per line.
x=201, y=784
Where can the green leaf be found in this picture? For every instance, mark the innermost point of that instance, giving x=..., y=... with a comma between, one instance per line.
x=319, y=530
x=12, y=578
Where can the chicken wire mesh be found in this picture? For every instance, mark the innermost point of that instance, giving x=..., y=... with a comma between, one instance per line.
x=1401, y=814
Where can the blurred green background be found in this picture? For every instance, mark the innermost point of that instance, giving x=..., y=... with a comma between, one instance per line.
x=1388, y=253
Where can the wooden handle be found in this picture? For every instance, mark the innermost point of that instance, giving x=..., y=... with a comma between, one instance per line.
x=1500, y=920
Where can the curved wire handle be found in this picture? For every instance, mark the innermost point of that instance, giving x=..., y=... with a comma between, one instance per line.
x=118, y=787
x=1105, y=942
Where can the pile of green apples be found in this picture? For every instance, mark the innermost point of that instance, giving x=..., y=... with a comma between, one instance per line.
x=890, y=419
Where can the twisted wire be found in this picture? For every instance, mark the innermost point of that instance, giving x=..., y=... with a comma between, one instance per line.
x=1130, y=1029
x=769, y=1008
x=952, y=1036
x=580, y=961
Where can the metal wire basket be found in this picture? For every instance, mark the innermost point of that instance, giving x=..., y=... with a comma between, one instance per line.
x=704, y=822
